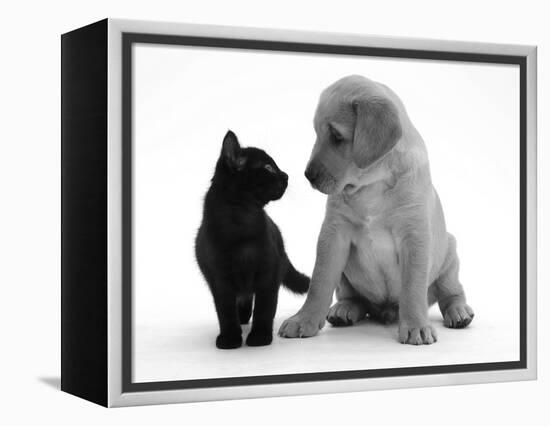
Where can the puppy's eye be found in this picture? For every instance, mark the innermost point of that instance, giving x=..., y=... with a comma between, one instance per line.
x=269, y=168
x=337, y=138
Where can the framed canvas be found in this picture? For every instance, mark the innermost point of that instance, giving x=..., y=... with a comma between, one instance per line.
x=419, y=156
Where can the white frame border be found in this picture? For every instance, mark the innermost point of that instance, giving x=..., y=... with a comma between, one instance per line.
x=114, y=215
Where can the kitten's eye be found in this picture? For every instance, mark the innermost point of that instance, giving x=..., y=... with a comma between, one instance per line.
x=269, y=168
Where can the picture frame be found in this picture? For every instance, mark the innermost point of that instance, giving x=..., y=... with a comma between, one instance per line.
x=98, y=125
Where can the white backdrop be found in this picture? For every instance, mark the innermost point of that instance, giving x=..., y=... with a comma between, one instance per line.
x=29, y=219
x=184, y=101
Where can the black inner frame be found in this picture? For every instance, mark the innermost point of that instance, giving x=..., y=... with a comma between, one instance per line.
x=128, y=39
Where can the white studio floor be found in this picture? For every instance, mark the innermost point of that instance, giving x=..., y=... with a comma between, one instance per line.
x=165, y=351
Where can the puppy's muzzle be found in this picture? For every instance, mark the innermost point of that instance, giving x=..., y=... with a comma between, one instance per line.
x=320, y=178
x=312, y=174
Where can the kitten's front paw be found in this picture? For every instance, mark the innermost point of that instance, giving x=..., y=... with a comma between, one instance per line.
x=301, y=325
x=229, y=341
x=259, y=338
x=421, y=335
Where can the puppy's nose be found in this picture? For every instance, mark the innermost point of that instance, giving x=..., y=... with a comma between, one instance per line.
x=311, y=174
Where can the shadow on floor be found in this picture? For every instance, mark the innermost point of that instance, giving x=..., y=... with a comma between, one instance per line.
x=54, y=382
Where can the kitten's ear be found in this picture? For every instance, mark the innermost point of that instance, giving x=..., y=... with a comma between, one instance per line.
x=231, y=150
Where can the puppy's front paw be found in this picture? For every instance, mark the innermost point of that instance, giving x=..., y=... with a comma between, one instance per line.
x=229, y=341
x=422, y=335
x=301, y=325
x=458, y=315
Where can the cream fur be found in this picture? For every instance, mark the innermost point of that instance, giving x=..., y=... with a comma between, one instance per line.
x=383, y=241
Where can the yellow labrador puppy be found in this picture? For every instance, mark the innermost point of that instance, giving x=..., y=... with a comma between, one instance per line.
x=383, y=245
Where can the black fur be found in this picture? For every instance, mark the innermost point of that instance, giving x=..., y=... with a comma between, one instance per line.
x=239, y=248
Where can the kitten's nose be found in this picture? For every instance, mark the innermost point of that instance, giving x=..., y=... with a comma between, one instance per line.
x=284, y=176
x=311, y=174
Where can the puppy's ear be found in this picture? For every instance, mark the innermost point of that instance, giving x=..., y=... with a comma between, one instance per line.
x=377, y=129
x=231, y=150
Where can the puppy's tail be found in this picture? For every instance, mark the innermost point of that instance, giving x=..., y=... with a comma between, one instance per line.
x=295, y=281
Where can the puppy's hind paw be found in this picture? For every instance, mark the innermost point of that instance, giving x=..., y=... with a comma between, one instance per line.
x=346, y=312
x=458, y=315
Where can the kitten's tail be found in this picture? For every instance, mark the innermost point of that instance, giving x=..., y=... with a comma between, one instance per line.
x=295, y=281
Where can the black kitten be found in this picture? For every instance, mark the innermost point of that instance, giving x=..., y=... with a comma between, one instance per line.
x=239, y=248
